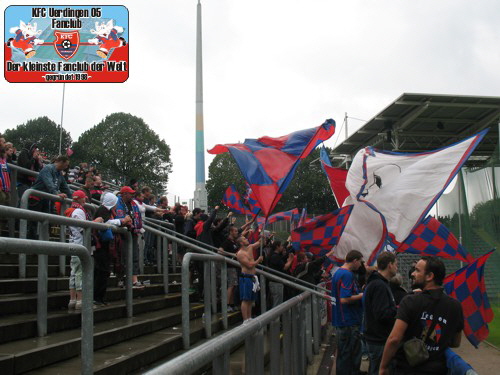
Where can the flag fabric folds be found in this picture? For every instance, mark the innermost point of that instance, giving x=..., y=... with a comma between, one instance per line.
x=280, y=216
x=432, y=238
x=232, y=199
x=322, y=232
x=467, y=286
x=303, y=217
x=268, y=164
x=336, y=178
x=401, y=187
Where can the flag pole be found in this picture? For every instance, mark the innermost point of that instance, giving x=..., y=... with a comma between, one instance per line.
x=262, y=235
x=62, y=117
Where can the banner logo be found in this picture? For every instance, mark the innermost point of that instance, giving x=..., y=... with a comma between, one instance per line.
x=66, y=43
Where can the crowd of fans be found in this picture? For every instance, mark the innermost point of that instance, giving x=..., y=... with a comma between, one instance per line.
x=367, y=300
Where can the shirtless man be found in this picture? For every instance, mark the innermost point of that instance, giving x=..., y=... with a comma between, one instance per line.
x=248, y=278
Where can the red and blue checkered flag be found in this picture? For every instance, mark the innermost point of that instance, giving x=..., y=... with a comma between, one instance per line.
x=233, y=200
x=467, y=286
x=431, y=237
x=268, y=164
x=322, y=232
x=280, y=216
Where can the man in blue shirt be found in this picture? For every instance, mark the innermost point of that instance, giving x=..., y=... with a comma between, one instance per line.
x=347, y=315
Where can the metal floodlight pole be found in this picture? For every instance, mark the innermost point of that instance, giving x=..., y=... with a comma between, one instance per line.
x=62, y=117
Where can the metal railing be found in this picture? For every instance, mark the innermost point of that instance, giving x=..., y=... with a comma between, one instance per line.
x=209, y=293
x=23, y=225
x=44, y=248
x=18, y=213
x=301, y=338
x=212, y=249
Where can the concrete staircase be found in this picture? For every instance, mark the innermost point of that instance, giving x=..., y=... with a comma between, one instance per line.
x=121, y=345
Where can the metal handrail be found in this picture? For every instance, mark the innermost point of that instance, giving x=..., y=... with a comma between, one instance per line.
x=23, y=225
x=213, y=249
x=209, y=293
x=18, y=213
x=217, y=350
x=236, y=263
x=43, y=249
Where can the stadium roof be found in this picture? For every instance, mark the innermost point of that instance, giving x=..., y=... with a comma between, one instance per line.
x=422, y=122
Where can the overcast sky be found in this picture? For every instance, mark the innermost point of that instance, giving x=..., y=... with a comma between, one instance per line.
x=272, y=67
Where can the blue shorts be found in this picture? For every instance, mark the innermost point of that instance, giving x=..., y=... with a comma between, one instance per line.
x=246, y=288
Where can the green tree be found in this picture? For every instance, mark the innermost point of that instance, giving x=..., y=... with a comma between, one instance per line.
x=42, y=131
x=122, y=147
x=309, y=187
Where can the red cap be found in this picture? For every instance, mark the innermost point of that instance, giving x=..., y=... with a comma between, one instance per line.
x=127, y=189
x=79, y=194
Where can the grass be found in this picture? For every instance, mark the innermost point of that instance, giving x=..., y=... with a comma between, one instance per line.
x=494, y=326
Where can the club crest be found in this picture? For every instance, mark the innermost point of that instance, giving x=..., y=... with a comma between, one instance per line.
x=66, y=43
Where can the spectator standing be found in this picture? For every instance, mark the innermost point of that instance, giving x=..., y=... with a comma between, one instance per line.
x=105, y=244
x=379, y=308
x=98, y=188
x=249, y=282
x=230, y=247
x=10, y=152
x=280, y=262
x=347, y=315
x=29, y=158
x=77, y=211
x=430, y=315
x=4, y=185
x=87, y=188
x=397, y=290
x=127, y=207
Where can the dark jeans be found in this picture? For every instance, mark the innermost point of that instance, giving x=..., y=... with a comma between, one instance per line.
x=101, y=272
x=375, y=352
x=348, y=350
x=149, y=248
x=40, y=205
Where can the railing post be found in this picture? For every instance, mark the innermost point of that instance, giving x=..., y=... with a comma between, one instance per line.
x=87, y=309
x=308, y=330
x=129, y=287
x=62, y=238
x=13, y=201
x=174, y=257
x=141, y=254
x=220, y=365
x=287, y=342
x=316, y=321
x=158, y=254
x=206, y=299
x=263, y=296
x=165, y=265
x=185, y=300
x=274, y=346
x=223, y=293
x=42, y=294
x=213, y=286
x=295, y=340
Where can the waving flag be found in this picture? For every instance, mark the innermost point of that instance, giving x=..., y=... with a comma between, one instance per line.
x=268, y=164
x=433, y=238
x=280, y=216
x=322, y=232
x=467, y=286
x=401, y=188
x=336, y=178
x=232, y=199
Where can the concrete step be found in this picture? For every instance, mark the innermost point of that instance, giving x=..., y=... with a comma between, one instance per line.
x=22, y=326
x=12, y=270
x=58, y=300
x=131, y=355
x=15, y=285
x=31, y=354
x=30, y=259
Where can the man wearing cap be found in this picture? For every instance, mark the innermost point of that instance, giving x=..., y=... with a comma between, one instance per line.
x=77, y=211
x=127, y=206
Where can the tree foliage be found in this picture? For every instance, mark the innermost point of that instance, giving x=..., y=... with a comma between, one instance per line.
x=309, y=187
x=42, y=131
x=124, y=147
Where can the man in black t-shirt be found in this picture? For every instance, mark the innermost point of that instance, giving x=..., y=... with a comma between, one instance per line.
x=417, y=314
x=231, y=247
